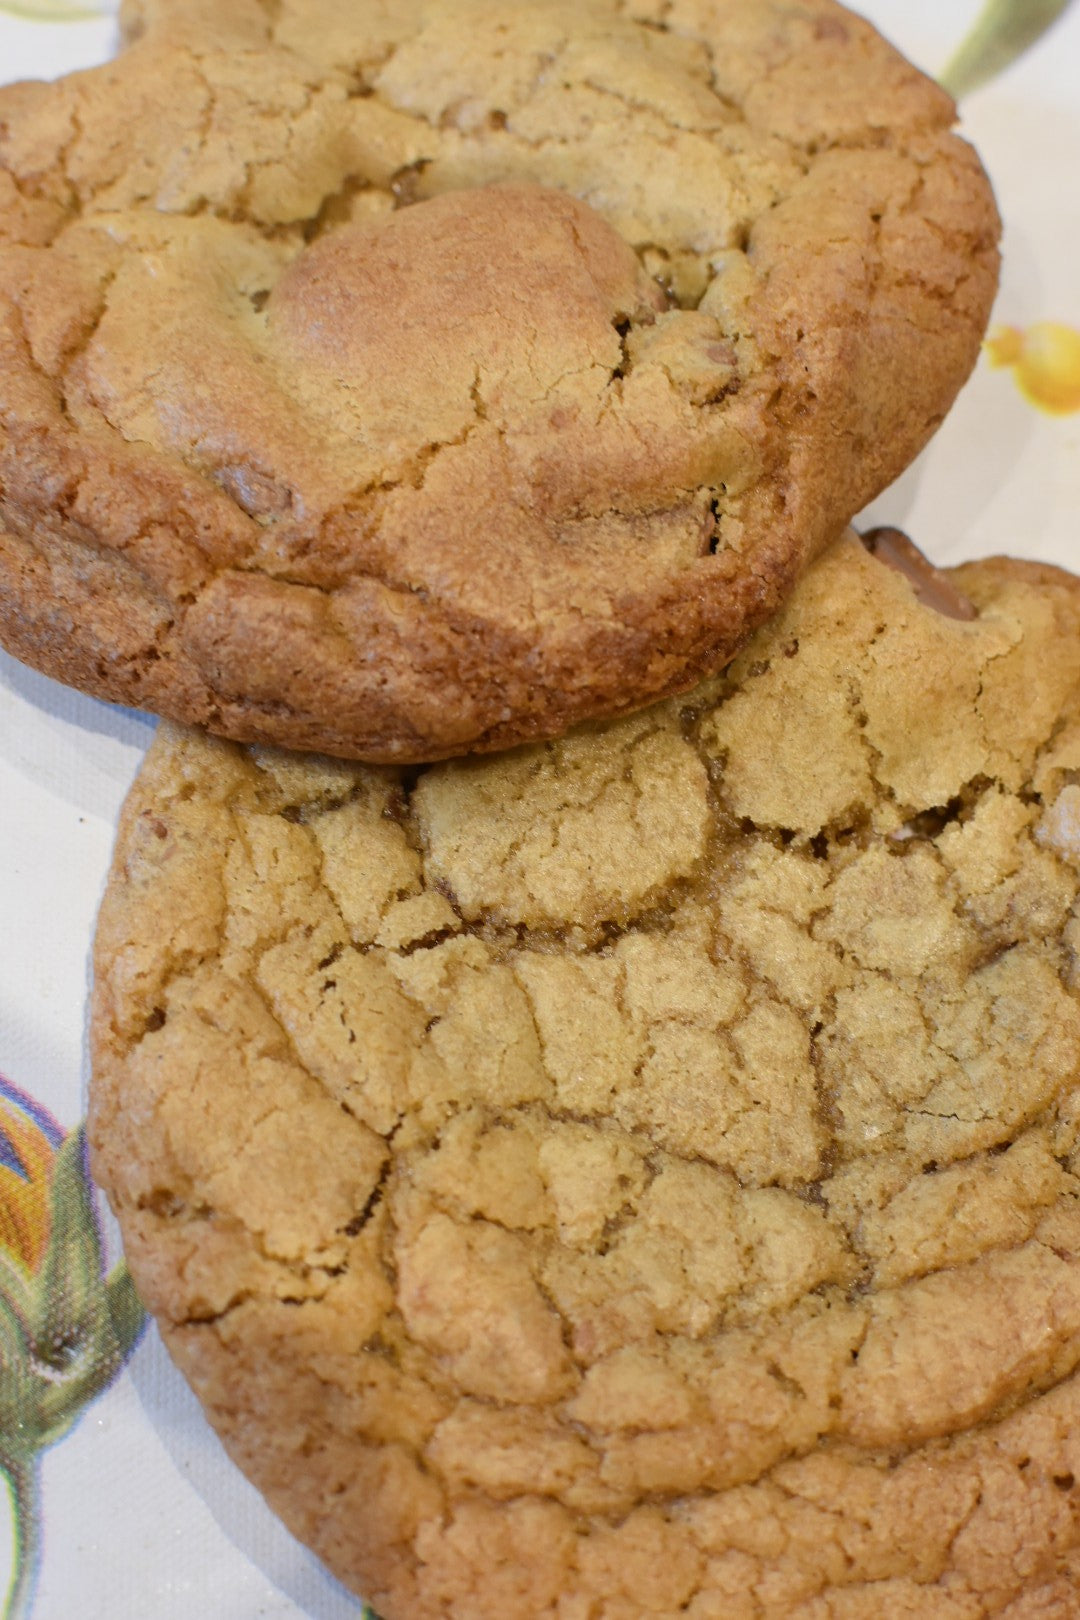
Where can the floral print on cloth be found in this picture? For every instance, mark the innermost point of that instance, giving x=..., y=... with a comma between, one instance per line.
x=48, y=10
x=1045, y=363
x=1003, y=31
x=1045, y=357
x=66, y=1329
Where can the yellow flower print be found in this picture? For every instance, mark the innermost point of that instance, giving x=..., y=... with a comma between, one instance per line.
x=1045, y=361
x=66, y=1328
x=28, y=1144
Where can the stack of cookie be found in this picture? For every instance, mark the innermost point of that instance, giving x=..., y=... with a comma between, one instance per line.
x=631, y=1173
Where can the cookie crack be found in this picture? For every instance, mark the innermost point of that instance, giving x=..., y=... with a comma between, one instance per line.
x=209, y=107
x=79, y=345
x=634, y=105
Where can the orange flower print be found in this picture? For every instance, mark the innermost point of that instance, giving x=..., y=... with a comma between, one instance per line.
x=29, y=1139
x=1045, y=362
x=65, y=1328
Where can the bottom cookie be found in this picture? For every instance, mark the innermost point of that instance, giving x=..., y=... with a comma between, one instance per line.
x=636, y=1175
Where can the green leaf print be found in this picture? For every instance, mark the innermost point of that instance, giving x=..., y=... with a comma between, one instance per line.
x=126, y=1312
x=48, y=10
x=1004, y=30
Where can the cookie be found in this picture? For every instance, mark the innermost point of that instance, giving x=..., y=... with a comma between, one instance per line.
x=404, y=381
x=637, y=1175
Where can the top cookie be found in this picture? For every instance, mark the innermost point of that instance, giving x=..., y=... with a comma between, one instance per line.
x=399, y=381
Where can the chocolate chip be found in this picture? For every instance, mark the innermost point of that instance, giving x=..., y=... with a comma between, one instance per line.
x=933, y=587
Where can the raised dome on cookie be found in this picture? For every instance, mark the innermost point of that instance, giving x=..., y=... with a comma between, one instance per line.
x=637, y=1174
x=402, y=381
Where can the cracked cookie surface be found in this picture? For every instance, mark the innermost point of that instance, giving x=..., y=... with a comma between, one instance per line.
x=400, y=381
x=636, y=1175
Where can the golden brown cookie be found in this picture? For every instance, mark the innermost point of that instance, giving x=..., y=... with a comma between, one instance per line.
x=402, y=380
x=638, y=1175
